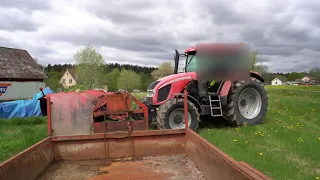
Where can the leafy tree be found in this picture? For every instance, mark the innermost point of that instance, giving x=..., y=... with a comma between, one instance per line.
x=294, y=75
x=254, y=60
x=108, y=67
x=113, y=79
x=146, y=80
x=164, y=69
x=315, y=73
x=53, y=81
x=89, y=67
x=263, y=69
x=128, y=80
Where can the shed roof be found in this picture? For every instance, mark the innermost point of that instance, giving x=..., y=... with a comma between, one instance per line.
x=18, y=64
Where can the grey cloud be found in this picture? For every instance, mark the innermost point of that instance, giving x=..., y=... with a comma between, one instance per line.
x=40, y=51
x=136, y=41
x=223, y=13
x=6, y=42
x=120, y=13
x=125, y=17
x=28, y=5
x=287, y=35
x=13, y=21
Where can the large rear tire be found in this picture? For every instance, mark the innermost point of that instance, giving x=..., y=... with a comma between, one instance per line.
x=247, y=103
x=171, y=115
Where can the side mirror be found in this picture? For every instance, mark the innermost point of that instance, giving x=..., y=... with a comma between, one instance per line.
x=176, y=61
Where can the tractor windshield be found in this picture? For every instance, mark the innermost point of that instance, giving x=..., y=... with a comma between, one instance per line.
x=218, y=60
x=191, y=63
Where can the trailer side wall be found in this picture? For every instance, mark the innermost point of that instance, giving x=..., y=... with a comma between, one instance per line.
x=118, y=145
x=28, y=164
x=213, y=163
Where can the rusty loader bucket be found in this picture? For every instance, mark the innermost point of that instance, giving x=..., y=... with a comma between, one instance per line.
x=93, y=111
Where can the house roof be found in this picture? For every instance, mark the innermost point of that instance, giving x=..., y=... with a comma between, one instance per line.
x=18, y=64
x=71, y=71
x=278, y=78
x=308, y=77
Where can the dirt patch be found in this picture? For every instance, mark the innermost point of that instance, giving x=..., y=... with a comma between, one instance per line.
x=157, y=168
x=69, y=170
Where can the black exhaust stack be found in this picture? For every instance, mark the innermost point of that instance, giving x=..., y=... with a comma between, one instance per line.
x=176, y=62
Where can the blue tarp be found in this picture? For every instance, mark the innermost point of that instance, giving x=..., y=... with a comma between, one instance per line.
x=23, y=108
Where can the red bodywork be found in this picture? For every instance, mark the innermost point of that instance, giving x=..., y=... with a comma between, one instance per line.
x=177, y=81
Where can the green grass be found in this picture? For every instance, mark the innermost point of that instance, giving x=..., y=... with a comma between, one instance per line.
x=287, y=144
x=17, y=134
x=139, y=95
x=293, y=87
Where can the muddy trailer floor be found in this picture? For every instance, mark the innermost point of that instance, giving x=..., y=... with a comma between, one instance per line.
x=157, y=168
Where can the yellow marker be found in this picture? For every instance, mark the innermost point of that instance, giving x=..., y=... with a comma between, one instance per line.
x=212, y=83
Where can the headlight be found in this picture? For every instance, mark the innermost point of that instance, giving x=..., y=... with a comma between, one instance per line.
x=150, y=93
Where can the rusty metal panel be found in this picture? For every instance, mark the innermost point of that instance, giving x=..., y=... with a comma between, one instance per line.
x=28, y=164
x=117, y=135
x=119, y=145
x=115, y=106
x=101, y=127
x=213, y=163
x=71, y=113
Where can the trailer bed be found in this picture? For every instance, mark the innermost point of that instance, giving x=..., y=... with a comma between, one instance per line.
x=154, y=154
x=157, y=168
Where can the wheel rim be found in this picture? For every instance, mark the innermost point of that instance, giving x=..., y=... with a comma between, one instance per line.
x=176, y=119
x=249, y=103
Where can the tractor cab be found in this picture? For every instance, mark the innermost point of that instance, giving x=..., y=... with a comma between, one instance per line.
x=190, y=65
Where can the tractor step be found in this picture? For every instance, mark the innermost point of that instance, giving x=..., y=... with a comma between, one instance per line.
x=215, y=104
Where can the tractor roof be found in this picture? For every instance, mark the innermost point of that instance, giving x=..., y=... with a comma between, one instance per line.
x=190, y=49
x=215, y=46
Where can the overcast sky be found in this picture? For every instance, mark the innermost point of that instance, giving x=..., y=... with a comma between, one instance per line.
x=287, y=33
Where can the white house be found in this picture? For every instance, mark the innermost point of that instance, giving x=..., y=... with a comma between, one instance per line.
x=68, y=78
x=277, y=81
x=306, y=79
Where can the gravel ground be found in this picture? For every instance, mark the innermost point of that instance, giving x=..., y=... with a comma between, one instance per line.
x=178, y=167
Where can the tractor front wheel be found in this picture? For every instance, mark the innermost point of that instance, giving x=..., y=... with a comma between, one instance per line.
x=171, y=115
x=247, y=103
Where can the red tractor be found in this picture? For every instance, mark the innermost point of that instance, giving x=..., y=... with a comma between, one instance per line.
x=238, y=102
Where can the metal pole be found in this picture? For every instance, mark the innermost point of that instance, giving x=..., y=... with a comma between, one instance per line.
x=185, y=100
x=260, y=64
